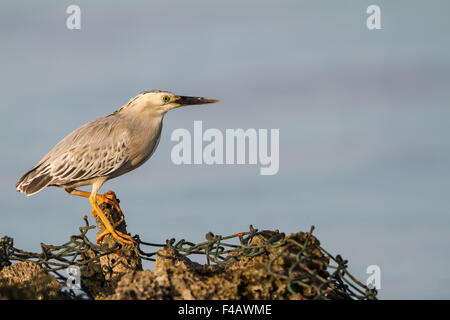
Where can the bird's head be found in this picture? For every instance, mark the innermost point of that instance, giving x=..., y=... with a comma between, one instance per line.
x=159, y=102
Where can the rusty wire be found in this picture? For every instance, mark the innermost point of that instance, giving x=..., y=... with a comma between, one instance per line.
x=217, y=249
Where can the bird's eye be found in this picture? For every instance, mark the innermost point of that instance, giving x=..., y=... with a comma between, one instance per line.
x=166, y=99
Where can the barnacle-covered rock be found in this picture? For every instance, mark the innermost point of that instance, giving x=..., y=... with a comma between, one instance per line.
x=261, y=272
x=26, y=280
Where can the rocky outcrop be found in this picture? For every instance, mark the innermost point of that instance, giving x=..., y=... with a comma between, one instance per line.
x=266, y=265
x=26, y=280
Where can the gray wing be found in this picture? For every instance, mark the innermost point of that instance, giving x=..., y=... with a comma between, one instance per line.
x=96, y=149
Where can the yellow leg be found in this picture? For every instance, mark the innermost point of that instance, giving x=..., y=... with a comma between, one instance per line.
x=110, y=198
x=109, y=229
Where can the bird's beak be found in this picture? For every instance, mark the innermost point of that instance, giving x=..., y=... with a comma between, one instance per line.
x=189, y=101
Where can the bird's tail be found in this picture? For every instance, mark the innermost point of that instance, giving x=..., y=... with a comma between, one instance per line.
x=34, y=180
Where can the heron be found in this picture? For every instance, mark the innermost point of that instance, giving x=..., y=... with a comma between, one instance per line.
x=106, y=148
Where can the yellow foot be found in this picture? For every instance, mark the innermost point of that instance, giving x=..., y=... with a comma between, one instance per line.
x=119, y=236
x=110, y=198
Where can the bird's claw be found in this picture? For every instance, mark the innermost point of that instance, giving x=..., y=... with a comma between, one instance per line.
x=110, y=198
x=119, y=236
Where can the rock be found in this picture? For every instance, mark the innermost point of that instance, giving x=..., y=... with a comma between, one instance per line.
x=267, y=265
x=123, y=260
x=26, y=280
x=100, y=277
x=248, y=277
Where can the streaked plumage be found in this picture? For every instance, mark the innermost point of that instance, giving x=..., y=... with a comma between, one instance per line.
x=96, y=149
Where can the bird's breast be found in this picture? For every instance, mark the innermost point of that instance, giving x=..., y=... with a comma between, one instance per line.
x=143, y=144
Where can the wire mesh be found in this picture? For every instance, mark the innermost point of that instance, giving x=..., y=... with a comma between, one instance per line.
x=308, y=266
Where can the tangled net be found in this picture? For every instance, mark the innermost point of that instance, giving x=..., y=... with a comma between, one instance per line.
x=308, y=269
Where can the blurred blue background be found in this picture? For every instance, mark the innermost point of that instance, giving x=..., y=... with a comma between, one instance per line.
x=364, y=122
